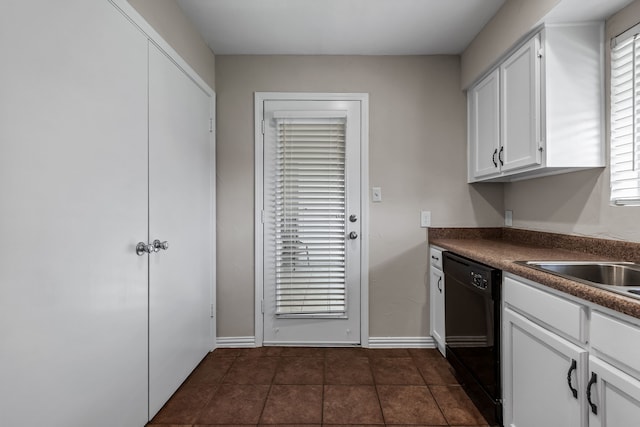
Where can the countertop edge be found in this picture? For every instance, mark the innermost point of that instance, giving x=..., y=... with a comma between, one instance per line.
x=499, y=254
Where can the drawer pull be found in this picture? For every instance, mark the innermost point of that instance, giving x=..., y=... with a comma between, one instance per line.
x=592, y=381
x=439, y=283
x=573, y=367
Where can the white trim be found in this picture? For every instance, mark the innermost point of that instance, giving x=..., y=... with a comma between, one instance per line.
x=402, y=342
x=236, y=342
x=212, y=178
x=260, y=98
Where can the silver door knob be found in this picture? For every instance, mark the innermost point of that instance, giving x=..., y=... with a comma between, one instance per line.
x=353, y=235
x=142, y=248
x=157, y=245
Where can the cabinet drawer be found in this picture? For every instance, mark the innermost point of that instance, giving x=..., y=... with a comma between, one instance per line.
x=565, y=316
x=435, y=255
x=616, y=339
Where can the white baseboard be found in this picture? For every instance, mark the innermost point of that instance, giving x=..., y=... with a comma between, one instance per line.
x=401, y=342
x=236, y=342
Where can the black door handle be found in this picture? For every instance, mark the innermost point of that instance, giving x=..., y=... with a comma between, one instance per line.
x=592, y=381
x=495, y=152
x=439, y=282
x=500, y=156
x=571, y=369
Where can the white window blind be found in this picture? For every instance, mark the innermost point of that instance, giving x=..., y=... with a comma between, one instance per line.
x=625, y=119
x=310, y=217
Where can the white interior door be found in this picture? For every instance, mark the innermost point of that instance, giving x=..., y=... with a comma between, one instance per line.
x=312, y=222
x=180, y=213
x=73, y=183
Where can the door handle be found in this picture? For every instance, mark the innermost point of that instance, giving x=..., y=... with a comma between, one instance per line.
x=495, y=152
x=500, y=156
x=439, y=284
x=157, y=245
x=143, y=248
x=353, y=235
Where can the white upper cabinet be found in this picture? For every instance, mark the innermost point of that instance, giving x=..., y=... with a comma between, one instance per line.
x=540, y=111
x=520, y=108
x=484, y=126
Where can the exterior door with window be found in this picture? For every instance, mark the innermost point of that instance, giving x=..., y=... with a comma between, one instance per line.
x=312, y=222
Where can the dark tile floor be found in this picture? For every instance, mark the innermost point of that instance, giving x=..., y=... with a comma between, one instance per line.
x=313, y=387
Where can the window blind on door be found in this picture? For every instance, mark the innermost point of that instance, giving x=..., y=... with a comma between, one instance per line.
x=625, y=119
x=310, y=217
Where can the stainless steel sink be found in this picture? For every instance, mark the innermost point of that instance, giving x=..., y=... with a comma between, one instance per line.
x=620, y=277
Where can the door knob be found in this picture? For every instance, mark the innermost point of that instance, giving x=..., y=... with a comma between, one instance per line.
x=353, y=235
x=142, y=248
x=157, y=245
x=353, y=218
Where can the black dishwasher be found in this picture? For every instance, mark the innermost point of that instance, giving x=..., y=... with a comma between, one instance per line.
x=472, y=331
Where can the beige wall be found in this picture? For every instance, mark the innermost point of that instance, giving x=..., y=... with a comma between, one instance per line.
x=417, y=155
x=166, y=17
x=578, y=203
x=514, y=19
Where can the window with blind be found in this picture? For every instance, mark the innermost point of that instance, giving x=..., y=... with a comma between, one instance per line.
x=310, y=217
x=625, y=118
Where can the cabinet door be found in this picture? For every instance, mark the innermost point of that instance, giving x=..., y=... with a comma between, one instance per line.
x=520, y=108
x=614, y=396
x=73, y=179
x=484, y=126
x=437, y=308
x=540, y=369
x=180, y=212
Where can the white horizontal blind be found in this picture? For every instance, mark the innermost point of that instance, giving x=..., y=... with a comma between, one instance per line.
x=625, y=120
x=310, y=217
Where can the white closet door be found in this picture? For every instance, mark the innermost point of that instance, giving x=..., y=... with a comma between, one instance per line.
x=73, y=185
x=179, y=213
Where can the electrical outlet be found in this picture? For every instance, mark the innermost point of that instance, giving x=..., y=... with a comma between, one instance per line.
x=376, y=194
x=425, y=219
x=508, y=218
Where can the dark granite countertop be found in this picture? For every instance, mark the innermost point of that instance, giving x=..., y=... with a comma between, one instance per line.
x=500, y=247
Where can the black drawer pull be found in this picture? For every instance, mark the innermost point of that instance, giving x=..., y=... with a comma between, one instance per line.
x=573, y=367
x=592, y=381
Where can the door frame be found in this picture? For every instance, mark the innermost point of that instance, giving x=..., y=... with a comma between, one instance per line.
x=259, y=99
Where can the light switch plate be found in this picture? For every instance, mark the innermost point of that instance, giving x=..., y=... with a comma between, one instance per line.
x=425, y=219
x=376, y=194
x=508, y=218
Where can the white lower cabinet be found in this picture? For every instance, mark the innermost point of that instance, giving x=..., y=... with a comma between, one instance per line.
x=614, y=396
x=555, y=377
x=436, y=294
x=542, y=375
x=437, y=308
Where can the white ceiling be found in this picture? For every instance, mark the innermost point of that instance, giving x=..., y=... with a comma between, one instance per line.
x=339, y=27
